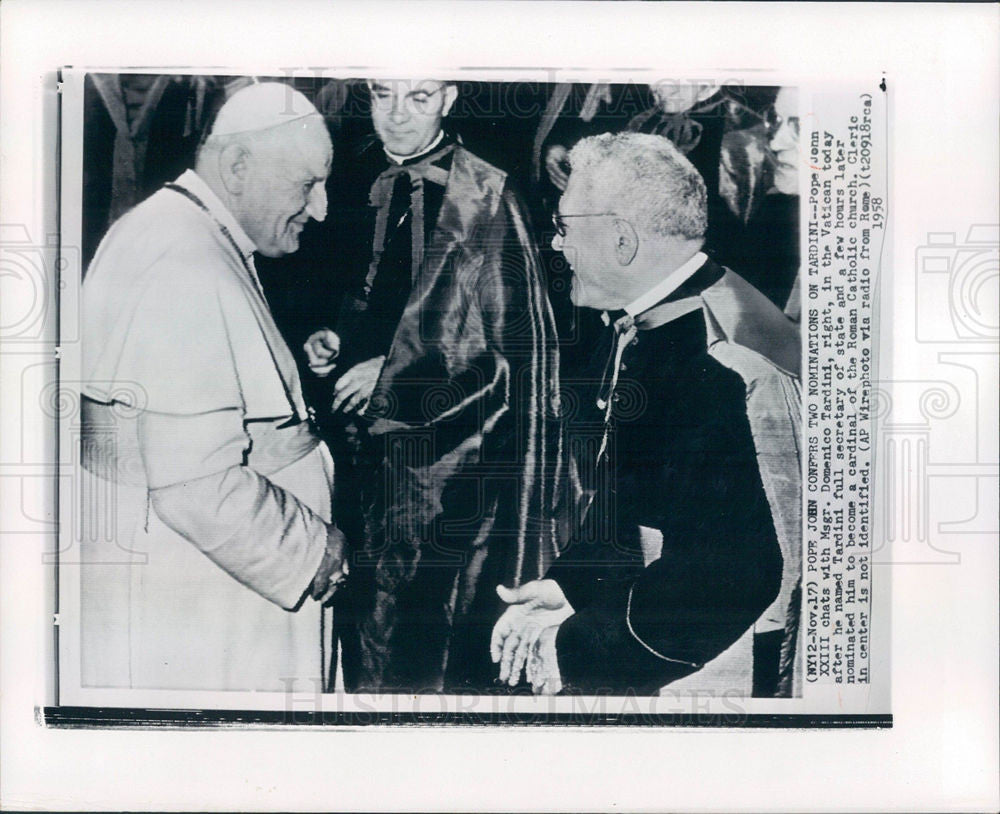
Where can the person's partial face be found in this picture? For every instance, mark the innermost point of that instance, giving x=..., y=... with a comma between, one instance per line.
x=285, y=186
x=679, y=97
x=407, y=113
x=586, y=237
x=785, y=141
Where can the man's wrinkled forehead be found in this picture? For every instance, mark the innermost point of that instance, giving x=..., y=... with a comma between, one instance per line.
x=404, y=86
x=581, y=194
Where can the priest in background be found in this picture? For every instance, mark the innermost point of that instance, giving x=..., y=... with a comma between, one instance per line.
x=444, y=373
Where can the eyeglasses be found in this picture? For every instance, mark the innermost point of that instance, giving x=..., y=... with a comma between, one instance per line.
x=559, y=221
x=418, y=101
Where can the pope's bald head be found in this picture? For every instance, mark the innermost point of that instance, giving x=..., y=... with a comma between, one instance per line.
x=267, y=158
x=261, y=107
x=264, y=118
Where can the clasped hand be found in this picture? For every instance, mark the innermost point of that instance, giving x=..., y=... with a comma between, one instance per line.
x=557, y=166
x=321, y=349
x=524, y=636
x=353, y=390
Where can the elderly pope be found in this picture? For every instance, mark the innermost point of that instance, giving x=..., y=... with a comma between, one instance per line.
x=197, y=447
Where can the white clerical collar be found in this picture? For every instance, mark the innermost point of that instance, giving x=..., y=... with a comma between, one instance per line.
x=194, y=183
x=400, y=159
x=667, y=286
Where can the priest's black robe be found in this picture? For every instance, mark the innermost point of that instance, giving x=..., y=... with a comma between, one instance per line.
x=462, y=429
x=680, y=459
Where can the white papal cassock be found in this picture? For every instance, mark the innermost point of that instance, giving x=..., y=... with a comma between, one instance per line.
x=197, y=447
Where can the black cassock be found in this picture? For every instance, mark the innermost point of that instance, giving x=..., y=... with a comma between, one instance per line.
x=680, y=459
x=459, y=451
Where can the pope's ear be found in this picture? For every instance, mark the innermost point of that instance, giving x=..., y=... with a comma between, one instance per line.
x=233, y=167
x=626, y=241
x=450, y=92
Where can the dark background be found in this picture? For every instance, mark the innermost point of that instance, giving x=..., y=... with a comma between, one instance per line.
x=167, y=118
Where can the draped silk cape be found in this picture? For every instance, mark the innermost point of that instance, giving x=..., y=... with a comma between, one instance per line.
x=466, y=405
x=748, y=334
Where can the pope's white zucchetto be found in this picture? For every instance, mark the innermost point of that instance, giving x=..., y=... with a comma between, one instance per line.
x=261, y=106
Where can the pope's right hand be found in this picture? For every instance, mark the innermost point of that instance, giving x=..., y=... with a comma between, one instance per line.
x=332, y=571
x=321, y=349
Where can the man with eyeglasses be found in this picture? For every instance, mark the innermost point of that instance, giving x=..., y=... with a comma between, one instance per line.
x=446, y=375
x=678, y=464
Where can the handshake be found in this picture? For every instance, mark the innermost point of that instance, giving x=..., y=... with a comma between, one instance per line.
x=524, y=638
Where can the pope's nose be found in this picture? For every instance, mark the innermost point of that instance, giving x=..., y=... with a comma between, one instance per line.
x=316, y=204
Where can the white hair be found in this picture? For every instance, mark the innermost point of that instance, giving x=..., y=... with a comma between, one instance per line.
x=644, y=179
